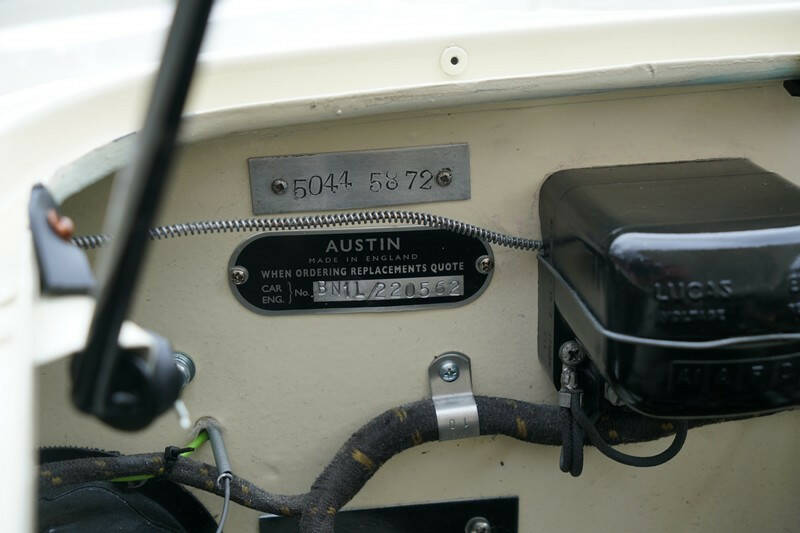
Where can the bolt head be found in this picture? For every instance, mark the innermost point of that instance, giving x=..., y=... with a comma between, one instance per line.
x=478, y=525
x=571, y=353
x=449, y=371
x=444, y=177
x=484, y=264
x=239, y=275
x=279, y=186
x=185, y=366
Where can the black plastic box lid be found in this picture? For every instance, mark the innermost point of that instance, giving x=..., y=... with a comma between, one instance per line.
x=682, y=280
x=689, y=250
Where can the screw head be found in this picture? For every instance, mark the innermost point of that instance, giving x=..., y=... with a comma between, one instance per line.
x=571, y=353
x=449, y=371
x=239, y=275
x=279, y=186
x=185, y=366
x=478, y=524
x=444, y=177
x=484, y=264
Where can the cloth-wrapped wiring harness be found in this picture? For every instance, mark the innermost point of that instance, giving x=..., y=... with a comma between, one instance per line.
x=363, y=454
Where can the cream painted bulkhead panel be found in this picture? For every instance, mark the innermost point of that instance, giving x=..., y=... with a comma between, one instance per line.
x=291, y=389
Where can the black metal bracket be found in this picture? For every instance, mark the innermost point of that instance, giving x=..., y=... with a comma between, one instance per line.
x=63, y=267
x=498, y=515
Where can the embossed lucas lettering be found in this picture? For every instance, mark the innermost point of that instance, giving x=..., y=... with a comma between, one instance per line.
x=692, y=290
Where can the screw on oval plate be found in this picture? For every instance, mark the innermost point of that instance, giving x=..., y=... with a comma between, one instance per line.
x=279, y=186
x=571, y=353
x=239, y=275
x=484, y=264
x=444, y=177
x=449, y=371
x=478, y=524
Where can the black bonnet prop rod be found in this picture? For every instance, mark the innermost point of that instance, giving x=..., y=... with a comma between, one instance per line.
x=123, y=388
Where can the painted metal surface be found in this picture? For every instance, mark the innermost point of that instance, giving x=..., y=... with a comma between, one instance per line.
x=273, y=79
x=275, y=383
x=69, y=89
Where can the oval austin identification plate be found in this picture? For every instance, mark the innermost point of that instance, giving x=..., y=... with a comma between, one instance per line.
x=366, y=270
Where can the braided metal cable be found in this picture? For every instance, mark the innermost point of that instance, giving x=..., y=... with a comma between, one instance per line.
x=323, y=221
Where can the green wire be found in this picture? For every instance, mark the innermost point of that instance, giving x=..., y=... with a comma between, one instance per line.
x=195, y=444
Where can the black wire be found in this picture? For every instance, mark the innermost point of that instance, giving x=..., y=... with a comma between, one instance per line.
x=572, y=442
x=578, y=437
x=630, y=460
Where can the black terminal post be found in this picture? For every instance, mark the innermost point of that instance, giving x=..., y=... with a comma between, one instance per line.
x=119, y=386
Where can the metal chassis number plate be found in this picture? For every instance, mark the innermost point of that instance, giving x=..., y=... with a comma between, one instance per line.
x=358, y=270
x=369, y=178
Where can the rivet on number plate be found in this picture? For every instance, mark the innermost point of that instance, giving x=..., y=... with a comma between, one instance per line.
x=367, y=178
x=359, y=270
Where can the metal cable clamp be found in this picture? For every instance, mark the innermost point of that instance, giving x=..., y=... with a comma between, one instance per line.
x=450, y=378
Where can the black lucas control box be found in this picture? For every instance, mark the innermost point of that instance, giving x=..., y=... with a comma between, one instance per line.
x=681, y=280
